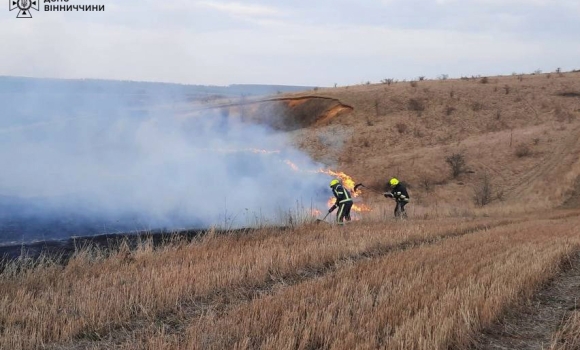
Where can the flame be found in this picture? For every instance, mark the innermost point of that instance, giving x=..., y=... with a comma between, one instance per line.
x=346, y=180
x=243, y=150
x=349, y=183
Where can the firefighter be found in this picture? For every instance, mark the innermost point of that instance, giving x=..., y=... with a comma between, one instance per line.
x=343, y=202
x=400, y=195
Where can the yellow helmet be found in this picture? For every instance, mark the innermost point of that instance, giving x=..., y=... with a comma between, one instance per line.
x=334, y=182
x=393, y=181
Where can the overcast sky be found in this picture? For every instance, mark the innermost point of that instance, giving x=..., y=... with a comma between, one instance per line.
x=293, y=42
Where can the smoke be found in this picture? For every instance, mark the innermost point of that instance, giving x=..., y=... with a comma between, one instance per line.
x=106, y=162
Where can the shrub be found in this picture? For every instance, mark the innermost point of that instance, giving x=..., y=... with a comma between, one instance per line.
x=522, y=150
x=426, y=184
x=401, y=127
x=416, y=105
x=483, y=191
x=449, y=110
x=457, y=164
x=477, y=106
x=484, y=80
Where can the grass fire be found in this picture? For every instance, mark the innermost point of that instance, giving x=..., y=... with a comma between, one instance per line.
x=441, y=214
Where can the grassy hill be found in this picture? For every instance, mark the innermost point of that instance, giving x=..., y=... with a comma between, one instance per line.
x=518, y=134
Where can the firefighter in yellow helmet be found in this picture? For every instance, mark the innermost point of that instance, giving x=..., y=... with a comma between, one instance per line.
x=399, y=193
x=343, y=202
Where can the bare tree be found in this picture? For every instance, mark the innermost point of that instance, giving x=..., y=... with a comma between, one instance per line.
x=456, y=162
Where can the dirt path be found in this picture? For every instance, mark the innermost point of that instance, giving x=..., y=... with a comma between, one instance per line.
x=532, y=325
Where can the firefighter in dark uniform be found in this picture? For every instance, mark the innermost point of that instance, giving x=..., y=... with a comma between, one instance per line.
x=400, y=195
x=343, y=202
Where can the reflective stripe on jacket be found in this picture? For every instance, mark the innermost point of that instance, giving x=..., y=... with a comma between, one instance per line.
x=400, y=193
x=342, y=195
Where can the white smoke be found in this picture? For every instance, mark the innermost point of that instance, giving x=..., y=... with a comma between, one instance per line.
x=104, y=157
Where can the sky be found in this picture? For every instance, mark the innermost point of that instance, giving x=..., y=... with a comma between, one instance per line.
x=294, y=42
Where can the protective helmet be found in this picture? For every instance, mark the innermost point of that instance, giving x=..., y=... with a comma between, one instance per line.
x=334, y=182
x=393, y=181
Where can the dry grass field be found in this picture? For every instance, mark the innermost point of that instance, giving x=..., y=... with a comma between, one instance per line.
x=519, y=131
x=458, y=274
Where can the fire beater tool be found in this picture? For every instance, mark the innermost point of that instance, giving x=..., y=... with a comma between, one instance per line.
x=356, y=187
x=318, y=221
x=375, y=191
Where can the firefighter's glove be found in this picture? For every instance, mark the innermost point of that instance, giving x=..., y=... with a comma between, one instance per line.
x=332, y=208
x=388, y=195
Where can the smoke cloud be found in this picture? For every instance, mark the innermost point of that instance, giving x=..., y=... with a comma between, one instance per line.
x=85, y=162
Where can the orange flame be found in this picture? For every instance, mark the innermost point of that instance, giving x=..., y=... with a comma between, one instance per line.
x=346, y=181
x=243, y=150
x=349, y=183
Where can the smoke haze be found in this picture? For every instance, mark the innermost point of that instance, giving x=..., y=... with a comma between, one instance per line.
x=82, y=162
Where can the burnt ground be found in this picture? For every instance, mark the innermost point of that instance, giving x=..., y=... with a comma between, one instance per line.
x=62, y=250
x=532, y=325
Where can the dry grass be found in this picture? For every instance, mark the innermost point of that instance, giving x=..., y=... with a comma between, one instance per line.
x=93, y=296
x=432, y=297
x=482, y=121
x=568, y=337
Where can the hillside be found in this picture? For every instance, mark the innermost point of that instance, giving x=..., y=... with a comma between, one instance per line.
x=517, y=136
x=520, y=132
